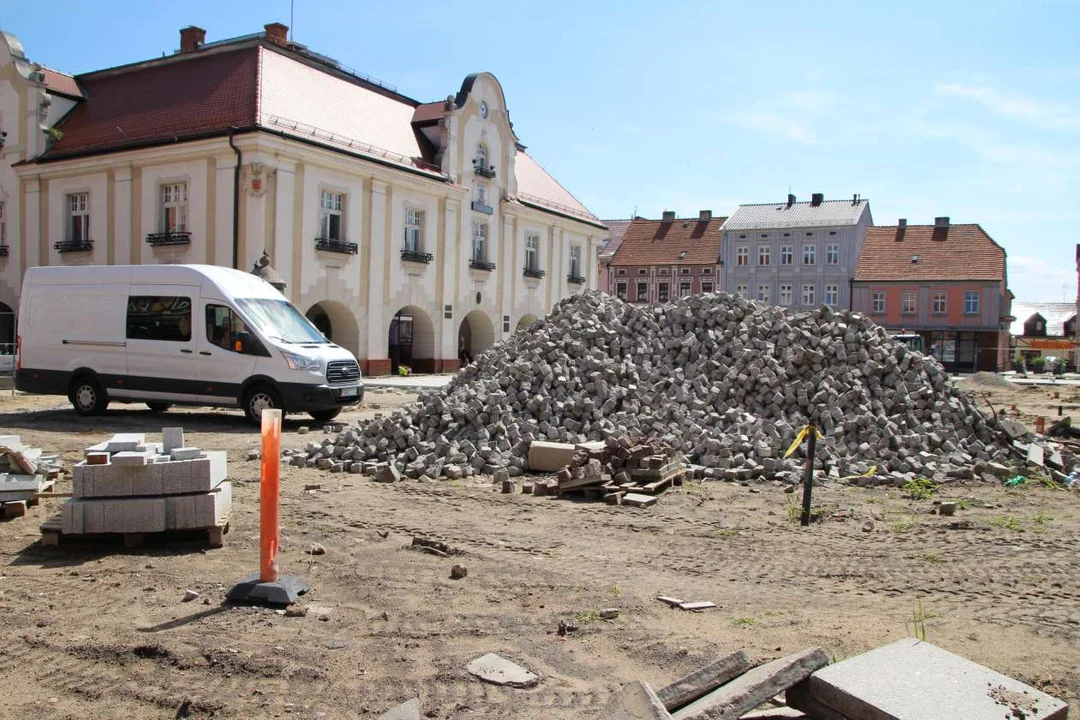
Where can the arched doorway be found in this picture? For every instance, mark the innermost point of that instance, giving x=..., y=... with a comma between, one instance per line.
x=475, y=335
x=411, y=341
x=337, y=323
x=525, y=322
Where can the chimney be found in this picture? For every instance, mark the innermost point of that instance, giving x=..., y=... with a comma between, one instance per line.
x=704, y=215
x=816, y=199
x=669, y=216
x=941, y=222
x=790, y=200
x=902, y=223
x=191, y=38
x=277, y=33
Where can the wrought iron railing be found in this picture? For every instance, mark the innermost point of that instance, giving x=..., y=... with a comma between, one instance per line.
x=533, y=273
x=488, y=172
x=575, y=279
x=180, y=237
x=416, y=256
x=66, y=246
x=336, y=246
x=479, y=264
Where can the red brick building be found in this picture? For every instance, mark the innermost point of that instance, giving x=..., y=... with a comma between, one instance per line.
x=659, y=260
x=946, y=282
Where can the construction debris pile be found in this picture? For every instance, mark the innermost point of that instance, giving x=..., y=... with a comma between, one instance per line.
x=130, y=486
x=726, y=381
x=24, y=472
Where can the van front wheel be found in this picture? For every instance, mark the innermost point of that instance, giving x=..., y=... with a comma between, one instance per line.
x=88, y=397
x=259, y=398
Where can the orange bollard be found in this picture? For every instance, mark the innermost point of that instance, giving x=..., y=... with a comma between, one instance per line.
x=1040, y=425
x=269, y=496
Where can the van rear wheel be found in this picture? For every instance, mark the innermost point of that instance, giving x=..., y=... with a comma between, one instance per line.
x=158, y=407
x=325, y=415
x=259, y=398
x=88, y=397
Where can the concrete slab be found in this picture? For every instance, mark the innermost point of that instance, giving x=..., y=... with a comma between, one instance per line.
x=910, y=679
x=749, y=690
x=124, y=442
x=13, y=442
x=499, y=671
x=171, y=439
x=408, y=710
x=638, y=500
x=1035, y=455
x=635, y=701
x=11, y=482
x=701, y=682
x=131, y=458
x=549, y=456
x=186, y=453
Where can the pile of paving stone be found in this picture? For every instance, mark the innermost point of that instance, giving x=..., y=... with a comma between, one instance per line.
x=726, y=381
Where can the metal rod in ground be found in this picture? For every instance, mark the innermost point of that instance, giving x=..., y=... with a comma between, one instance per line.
x=808, y=479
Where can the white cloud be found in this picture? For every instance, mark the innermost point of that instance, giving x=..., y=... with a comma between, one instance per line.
x=1033, y=279
x=991, y=145
x=815, y=101
x=774, y=124
x=1043, y=115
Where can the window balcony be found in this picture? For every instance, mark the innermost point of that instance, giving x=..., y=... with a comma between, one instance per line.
x=480, y=207
x=66, y=246
x=178, y=237
x=336, y=246
x=575, y=279
x=533, y=273
x=479, y=264
x=416, y=256
x=4, y=250
x=488, y=172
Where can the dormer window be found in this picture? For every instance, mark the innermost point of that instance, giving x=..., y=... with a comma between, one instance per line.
x=480, y=162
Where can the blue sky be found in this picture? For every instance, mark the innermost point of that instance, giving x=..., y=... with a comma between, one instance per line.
x=966, y=109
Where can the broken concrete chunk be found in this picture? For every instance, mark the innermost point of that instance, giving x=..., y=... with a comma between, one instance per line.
x=638, y=500
x=499, y=671
x=635, y=701
x=749, y=690
x=701, y=682
x=911, y=679
x=408, y=710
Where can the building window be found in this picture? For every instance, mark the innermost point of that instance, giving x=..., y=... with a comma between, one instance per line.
x=79, y=217
x=742, y=256
x=662, y=271
x=642, y=271
x=620, y=290
x=684, y=288
x=706, y=271
x=877, y=302
x=763, y=293
x=479, y=242
x=622, y=271
x=832, y=254
x=940, y=304
x=764, y=257
x=787, y=255
x=662, y=292
x=785, y=294
x=832, y=295
x=575, y=261
x=808, y=294
x=643, y=292
x=706, y=286
x=481, y=156
x=684, y=271
x=532, y=252
x=414, y=230
x=809, y=255
x=740, y=290
x=971, y=303
x=908, y=304
x=174, y=208
x=330, y=210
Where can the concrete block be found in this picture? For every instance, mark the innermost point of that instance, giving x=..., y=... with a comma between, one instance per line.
x=910, y=679
x=176, y=476
x=635, y=701
x=11, y=482
x=206, y=473
x=701, y=682
x=130, y=458
x=749, y=690
x=122, y=442
x=638, y=500
x=171, y=439
x=186, y=453
x=549, y=456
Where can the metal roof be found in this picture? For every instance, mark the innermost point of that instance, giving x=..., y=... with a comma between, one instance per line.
x=1055, y=315
x=768, y=216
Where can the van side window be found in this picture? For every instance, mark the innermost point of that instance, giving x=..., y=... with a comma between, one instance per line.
x=225, y=329
x=153, y=317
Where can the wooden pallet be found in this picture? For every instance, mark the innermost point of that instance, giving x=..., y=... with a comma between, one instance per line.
x=52, y=532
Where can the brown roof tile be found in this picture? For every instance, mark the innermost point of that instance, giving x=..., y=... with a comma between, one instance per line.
x=956, y=252
x=653, y=242
x=62, y=83
x=145, y=104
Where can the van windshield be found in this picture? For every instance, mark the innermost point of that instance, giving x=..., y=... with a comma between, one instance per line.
x=278, y=319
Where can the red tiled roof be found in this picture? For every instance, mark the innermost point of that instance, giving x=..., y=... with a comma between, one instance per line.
x=616, y=229
x=145, y=104
x=653, y=242
x=58, y=82
x=956, y=252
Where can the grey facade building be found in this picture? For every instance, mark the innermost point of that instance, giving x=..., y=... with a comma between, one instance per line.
x=796, y=254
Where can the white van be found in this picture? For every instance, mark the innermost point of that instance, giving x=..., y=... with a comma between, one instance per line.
x=175, y=334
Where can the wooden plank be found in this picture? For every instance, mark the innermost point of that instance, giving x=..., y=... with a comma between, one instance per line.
x=687, y=689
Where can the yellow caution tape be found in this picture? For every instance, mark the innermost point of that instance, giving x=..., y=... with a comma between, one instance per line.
x=869, y=473
x=800, y=437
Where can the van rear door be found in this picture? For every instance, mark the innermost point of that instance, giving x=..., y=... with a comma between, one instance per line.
x=161, y=360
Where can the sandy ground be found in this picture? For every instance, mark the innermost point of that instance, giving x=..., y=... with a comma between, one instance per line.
x=97, y=630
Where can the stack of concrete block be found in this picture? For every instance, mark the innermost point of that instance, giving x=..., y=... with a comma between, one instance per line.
x=127, y=485
x=726, y=381
x=24, y=472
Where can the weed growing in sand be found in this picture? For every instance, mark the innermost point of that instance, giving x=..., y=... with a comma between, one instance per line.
x=901, y=525
x=920, y=488
x=728, y=532
x=963, y=504
x=919, y=616
x=794, y=512
x=589, y=616
x=1007, y=522
x=932, y=558
x=743, y=622
x=1039, y=522
x=613, y=591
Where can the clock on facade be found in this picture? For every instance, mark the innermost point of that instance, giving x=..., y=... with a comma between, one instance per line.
x=483, y=109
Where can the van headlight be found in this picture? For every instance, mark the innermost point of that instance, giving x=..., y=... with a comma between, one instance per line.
x=302, y=362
